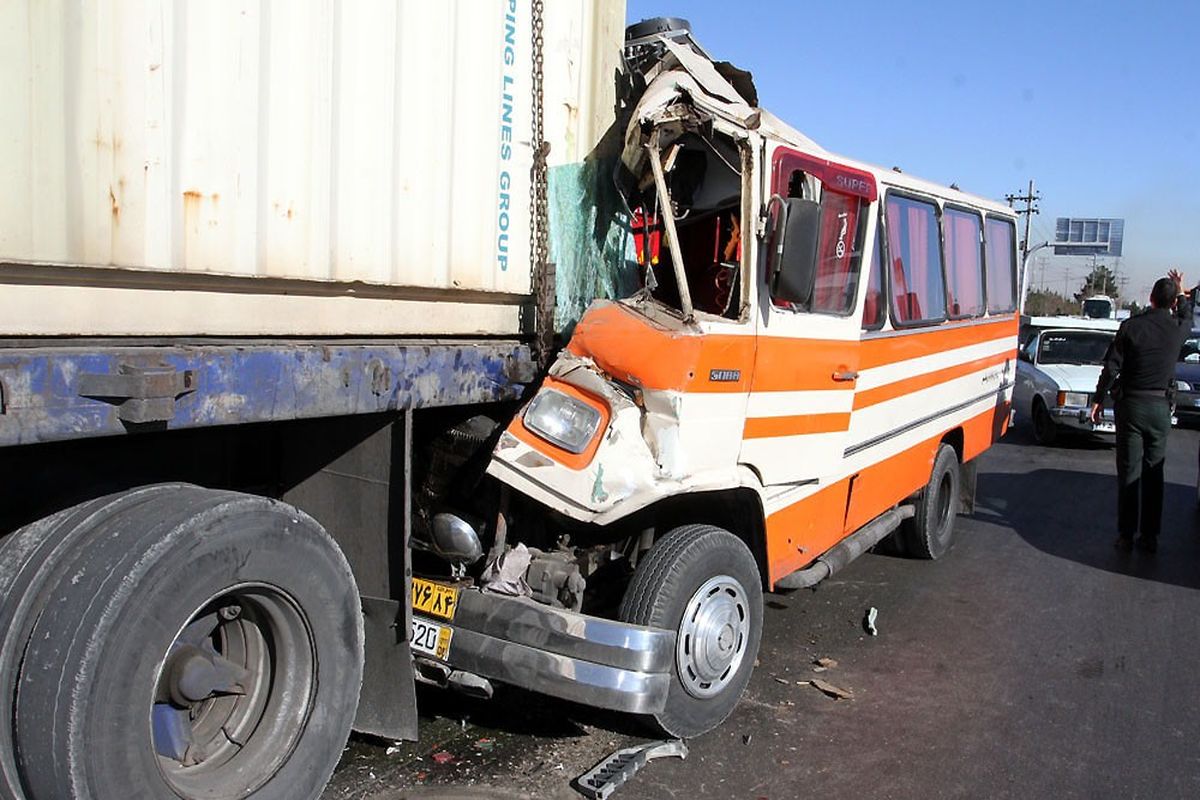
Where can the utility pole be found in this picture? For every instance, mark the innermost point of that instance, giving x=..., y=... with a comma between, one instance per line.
x=1028, y=211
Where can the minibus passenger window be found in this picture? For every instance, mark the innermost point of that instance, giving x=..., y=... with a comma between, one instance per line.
x=873, y=309
x=1001, y=236
x=914, y=247
x=964, y=263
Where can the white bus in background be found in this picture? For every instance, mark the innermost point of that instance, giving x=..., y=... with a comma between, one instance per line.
x=1100, y=306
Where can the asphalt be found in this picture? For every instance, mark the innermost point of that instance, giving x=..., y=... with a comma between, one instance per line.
x=1035, y=660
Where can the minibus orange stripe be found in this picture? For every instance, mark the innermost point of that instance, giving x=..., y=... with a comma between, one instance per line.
x=880, y=350
x=798, y=533
x=891, y=391
x=634, y=349
x=791, y=365
x=767, y=427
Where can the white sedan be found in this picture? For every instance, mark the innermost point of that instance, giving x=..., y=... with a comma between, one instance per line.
x=1057, y=369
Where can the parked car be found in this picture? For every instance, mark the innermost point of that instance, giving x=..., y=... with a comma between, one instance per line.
x=1057, y=369
x=1187, y=379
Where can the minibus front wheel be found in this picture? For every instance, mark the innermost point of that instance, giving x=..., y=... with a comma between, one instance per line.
x=702, y=582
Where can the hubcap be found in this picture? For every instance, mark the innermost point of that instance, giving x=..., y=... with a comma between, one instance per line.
x=712, y=636
x=233, y=693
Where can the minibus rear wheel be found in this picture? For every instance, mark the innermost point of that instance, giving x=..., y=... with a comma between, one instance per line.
x=702, y=582
x=930, y=532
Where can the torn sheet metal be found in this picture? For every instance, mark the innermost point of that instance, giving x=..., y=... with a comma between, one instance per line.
x=602, y=780
x=696, y=78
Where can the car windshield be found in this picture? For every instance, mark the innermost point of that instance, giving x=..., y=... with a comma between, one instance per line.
x=1073, y=347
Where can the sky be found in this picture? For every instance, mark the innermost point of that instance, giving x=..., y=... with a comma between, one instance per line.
x=1097, y=102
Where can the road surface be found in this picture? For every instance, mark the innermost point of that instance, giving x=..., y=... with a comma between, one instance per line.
x=1034, y=661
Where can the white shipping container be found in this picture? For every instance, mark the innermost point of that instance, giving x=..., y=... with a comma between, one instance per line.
x=282, y=167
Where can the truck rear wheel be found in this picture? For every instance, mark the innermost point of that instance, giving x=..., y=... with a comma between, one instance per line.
x=703, y=583
x=930, y=532
x=191, y=644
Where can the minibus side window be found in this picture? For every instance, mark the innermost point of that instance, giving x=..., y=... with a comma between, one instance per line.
x=964, y=263
x=914, y=247
x=839, y=253
x=1001, y=249
x=875, y=307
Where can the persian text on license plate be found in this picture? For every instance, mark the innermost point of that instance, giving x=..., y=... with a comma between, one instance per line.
x=430, y=638
x=434, y=599
x=1105, y=427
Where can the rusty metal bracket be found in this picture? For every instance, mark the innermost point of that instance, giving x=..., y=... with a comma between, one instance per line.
x=141, y=394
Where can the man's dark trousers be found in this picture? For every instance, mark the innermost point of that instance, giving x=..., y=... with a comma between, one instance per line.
x=1143, y=424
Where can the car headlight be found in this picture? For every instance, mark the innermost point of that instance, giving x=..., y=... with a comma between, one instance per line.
x=1183, y=386
x=1073, y=399
x=562, y=420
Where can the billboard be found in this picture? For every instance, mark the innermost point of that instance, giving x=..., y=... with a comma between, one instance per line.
x=1086, y=236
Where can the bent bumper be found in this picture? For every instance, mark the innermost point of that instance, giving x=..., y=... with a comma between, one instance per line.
x=589, y=660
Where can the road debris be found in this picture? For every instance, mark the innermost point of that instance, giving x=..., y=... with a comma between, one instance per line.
x=836, y=692
x=602, y=780
x=869, y=622
x=442, y=757
x=825, y=663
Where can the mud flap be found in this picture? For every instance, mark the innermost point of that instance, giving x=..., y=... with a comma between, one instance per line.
x=966, y=487
x=387, y=704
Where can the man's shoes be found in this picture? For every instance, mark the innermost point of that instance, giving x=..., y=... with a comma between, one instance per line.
x=1147, y=544
x=1124, y=543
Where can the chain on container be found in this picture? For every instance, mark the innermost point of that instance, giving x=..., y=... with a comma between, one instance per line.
x=539, y=228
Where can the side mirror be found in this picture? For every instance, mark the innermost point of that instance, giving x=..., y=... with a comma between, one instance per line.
x=1024, y=356
x=792, y=257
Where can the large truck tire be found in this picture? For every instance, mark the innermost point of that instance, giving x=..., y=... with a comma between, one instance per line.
x=30, y=559
x=703, y=583
x=186, y=643
x=929, y=533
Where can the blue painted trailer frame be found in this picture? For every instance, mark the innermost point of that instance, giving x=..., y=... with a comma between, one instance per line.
x=56, y=393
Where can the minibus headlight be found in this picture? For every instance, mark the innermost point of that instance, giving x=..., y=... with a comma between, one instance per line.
x=1183, y=386
x=562, y=420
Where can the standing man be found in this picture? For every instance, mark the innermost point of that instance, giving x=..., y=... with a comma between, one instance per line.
x=1139, y=367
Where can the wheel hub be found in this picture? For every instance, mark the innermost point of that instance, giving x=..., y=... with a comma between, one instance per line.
x=229, y=691
x=712, y=636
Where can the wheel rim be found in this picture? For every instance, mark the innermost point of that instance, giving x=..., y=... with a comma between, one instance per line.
x=233, y=693
x=712, y=636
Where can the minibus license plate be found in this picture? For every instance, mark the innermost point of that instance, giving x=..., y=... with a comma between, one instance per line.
x=1105, y=427
x=434, y=599
x=430, y=638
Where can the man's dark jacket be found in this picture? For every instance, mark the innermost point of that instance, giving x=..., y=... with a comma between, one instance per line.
x=1145, y=350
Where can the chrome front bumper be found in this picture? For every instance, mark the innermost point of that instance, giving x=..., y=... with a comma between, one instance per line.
x=589, y=660
x=1080, y=419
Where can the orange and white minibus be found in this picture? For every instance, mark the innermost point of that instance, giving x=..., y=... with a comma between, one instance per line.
x=819, y=351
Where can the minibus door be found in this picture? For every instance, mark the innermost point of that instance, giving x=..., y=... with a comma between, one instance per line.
x=806, y=362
